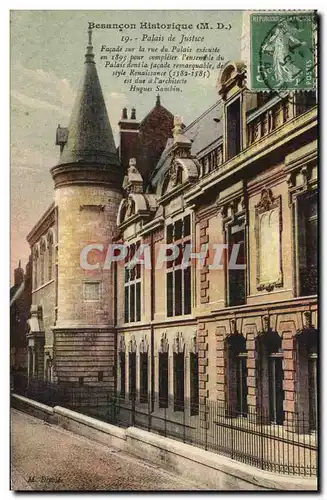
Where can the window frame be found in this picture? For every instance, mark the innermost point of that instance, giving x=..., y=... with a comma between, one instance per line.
x=301, y=238
x=92, y=282
x=132, y=282
x=238, y=221
x=144, y=377
x=178, y=268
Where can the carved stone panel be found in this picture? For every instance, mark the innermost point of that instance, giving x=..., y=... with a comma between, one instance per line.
x=268, y=239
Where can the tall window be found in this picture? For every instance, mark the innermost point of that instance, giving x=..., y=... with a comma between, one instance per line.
x=42, y=261
x=194, y=383
x=122, y=363
x=163, y=379
x=275, y=388
x=233, y=117
x=179, y=381
x=50, y=256
x=36, y=269
x=237, y=374
x=236, y=277
x=132, y=375
x=270, y=376
x=143, y=377
x=178, y=272
x=307, y=391
x=132, y=287
x=307, y=243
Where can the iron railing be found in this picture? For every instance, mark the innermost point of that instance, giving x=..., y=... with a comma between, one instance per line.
x=251, y=438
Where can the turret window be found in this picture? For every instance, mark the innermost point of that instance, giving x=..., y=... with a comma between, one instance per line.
x=92, y=291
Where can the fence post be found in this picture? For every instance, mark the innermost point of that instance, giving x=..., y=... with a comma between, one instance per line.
x=232, y=431
x=133, y=409
x=184, y=427
x=165, y=422
x=149, y=413
x=261, y=416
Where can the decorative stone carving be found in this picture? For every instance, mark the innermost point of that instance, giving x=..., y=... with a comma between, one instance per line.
x=268, y=228
x=265, y=323
x=267, y=201
x=163, y=345
x=233, y=327
x=305, y=177
x=307, y=323
x=173, y=175
x=177, y=130
x=122, y=345
x=130, y=207
x=194, y=346
x=144, y=345
x=132, y=344
x=179, y=343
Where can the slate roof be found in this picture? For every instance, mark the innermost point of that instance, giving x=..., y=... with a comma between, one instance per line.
x=204, y=132
x=90, y=137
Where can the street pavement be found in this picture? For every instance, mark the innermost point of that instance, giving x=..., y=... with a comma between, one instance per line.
x=45, y=457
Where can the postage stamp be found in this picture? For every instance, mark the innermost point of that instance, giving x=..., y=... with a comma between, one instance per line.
x=282, y=51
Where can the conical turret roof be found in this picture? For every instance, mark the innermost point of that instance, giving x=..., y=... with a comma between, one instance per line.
x=90, y=138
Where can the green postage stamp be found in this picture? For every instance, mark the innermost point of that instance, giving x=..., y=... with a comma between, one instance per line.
x=282, y=51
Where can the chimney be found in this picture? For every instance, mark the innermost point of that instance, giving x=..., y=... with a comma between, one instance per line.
x=129, y=131
x=19, y=274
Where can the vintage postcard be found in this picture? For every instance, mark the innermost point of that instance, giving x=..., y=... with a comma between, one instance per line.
x=164, y=218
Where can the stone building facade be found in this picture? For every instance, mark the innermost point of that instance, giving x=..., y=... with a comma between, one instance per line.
x=243, y=175
x=239, y=327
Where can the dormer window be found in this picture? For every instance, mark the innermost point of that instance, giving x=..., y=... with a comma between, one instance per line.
x=233, y=128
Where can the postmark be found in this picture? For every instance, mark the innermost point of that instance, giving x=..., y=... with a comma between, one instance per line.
x=283, y=52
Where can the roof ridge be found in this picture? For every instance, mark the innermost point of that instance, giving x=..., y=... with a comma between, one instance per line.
x=202, y=115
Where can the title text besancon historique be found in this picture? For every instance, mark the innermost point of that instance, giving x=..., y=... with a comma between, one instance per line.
x=145, y=25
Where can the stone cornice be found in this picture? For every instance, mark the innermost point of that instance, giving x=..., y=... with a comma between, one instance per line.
x=152, y=226
x=140, y=216
x=45, y=222
x=272, y=306
x=281, y=136
x=87, y=174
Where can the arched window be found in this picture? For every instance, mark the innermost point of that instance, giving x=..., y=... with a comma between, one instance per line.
x=270, y=377
x=306, y=375
x=42, y=261
x=35, y=268
x=236, y=374
x=50, y=256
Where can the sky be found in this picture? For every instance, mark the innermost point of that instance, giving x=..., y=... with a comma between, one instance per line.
x=46, y=64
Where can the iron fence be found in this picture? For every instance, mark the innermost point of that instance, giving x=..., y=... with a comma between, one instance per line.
x=250, y=438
